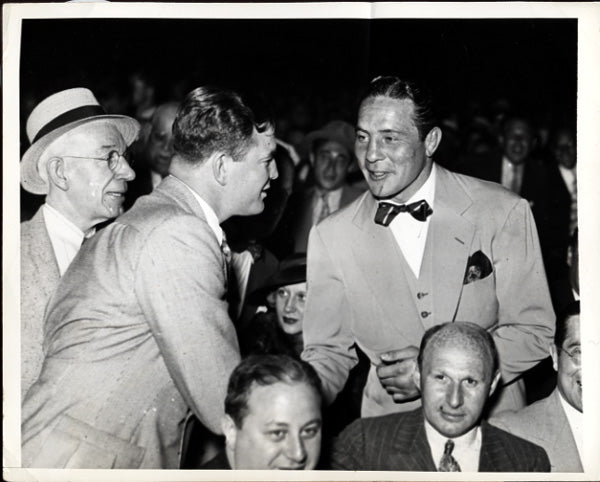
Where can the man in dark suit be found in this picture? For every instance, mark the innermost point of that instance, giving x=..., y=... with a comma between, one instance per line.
x=556, y=422
x=331, y=154
x=424, y=246
x=457, y=371
x=138, y=332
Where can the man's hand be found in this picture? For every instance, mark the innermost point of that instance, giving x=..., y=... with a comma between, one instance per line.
x=396, y=373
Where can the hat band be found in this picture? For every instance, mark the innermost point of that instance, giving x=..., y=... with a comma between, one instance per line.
x=73, y=115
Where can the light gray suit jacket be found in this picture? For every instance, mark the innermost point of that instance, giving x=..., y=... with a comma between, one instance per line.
x=39, y=278
x=358, y=291
x=544, y=423
x=136, y=333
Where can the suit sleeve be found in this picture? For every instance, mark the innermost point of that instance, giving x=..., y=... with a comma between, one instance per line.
x=328, y=340
x=525, y=319
x=348, y=452
x=179, y=283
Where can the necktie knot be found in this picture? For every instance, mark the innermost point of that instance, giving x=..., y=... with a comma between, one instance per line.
x=386, y=212
x=226, y=250
x=449, y=447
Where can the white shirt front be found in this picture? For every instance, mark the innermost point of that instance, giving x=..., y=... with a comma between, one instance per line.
x=575, y=418
x=65, y=237
x=333, y=201
x=570, y=178
x=466, y=451
x=411, y=234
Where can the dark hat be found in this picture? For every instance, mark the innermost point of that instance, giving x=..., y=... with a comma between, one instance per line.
x=291, y=270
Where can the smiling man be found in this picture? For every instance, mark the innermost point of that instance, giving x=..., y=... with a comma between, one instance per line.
x=138, y=333
x=556, y=422
x=457, y=371
x=424, y=246
x=272, y=416
x=76, y=160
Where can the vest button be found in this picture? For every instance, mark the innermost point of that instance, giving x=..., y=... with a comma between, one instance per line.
x=425, y=314
x=420, y=294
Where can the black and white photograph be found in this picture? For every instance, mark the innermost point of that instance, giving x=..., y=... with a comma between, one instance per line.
x=341, y=238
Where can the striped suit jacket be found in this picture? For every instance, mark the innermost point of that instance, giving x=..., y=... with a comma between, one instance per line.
x=399, y=442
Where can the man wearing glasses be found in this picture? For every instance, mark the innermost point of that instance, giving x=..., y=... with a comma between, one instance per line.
x=556, y=422
x=137, y=333
x=76, y=160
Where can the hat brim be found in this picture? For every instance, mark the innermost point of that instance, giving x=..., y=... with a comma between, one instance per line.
x=30, y=177
x=289, y=276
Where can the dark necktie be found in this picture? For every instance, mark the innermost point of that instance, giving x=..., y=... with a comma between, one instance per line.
x=447, y=462
x=386, y=212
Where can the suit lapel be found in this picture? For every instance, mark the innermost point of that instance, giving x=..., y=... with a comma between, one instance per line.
x=42, y=257
x=449, y=239
x=558, y=434
x=378, y=256
x=411, y=448
x=493, y=456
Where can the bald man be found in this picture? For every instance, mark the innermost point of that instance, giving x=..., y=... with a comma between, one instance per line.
x=457, y=371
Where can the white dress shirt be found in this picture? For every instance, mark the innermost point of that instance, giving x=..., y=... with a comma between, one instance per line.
x=575, y=418
x=411, y=234
x=512, y=175
x=466, y=451
x=333, y=201
x=65, y=237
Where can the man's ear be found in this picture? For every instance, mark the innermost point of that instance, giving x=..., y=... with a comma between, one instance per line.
x=554, y=355
x=229, y=430
x=417, y=377
x=494, y=383
x=56, y=172
x=432, y=141
x=220, y=166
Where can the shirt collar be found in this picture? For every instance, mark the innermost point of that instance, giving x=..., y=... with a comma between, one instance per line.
x=211, y=216
x=426, y=191
x=63, y=227
x=465, y=441
x=573, y=415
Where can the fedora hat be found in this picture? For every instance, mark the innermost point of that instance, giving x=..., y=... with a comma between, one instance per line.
x=55, y=116
x=336, y=130
x=291, y=270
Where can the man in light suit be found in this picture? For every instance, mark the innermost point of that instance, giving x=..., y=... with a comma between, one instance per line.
x=76, y=161
x=331, y=155
x=463, y=249
x=457, y=371
x=138, y=331
x=556, y=422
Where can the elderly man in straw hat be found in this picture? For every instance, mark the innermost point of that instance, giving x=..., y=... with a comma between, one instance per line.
x=137, y=333
x=76, y=160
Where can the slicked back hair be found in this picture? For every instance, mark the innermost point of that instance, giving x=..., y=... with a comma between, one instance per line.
x=395, y=88
x=265, y=370
x=213, y=119
x=464, y=334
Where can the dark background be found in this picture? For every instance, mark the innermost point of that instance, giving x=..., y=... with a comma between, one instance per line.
x=532, y=62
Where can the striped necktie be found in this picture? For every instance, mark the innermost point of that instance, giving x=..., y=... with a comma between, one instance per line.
x=447, y=462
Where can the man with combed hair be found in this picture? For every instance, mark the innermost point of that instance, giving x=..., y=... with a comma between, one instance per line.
x=272, y=416
x=77, y=161
x=556, y=422
x=138, y=330
x=424, y=246
x=457, y=371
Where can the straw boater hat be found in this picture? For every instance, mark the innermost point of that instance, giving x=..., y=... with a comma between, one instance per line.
x=57, y=115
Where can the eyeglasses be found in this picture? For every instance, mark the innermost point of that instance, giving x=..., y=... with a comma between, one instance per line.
x=113, y=159
x=574, y=354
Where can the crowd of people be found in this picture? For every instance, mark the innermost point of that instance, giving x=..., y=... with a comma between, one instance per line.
x=199, y=291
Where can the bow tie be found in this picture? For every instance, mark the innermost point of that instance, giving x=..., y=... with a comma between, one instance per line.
x=386, y=212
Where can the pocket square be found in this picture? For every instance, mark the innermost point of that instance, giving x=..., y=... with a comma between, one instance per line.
x=478, y=267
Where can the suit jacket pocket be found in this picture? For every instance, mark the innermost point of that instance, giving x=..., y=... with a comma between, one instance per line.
x=478, y=302
x=76, y=444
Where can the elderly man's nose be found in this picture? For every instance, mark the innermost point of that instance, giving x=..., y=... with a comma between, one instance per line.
x=124, y=171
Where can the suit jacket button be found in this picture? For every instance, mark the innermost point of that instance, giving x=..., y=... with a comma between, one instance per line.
x=421, y=294
x=425, y=314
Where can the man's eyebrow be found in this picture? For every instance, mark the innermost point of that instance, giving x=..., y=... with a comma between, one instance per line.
x=313, y=421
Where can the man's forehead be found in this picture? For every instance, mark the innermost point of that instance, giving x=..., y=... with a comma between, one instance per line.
x=387, y=108
x=573, y=335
